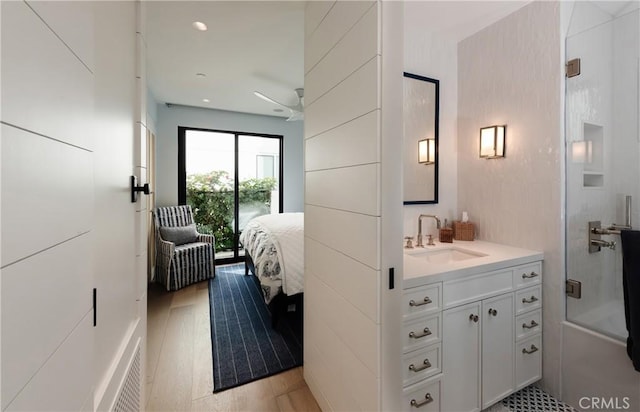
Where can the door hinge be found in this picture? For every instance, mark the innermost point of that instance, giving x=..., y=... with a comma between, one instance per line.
x=573, y=68
x=95, y=304
x=573, y=288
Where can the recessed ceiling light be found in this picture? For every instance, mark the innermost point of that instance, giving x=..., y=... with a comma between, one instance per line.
x=278, y=110
x=198, y=25
x=201, y=75
x=206, y=100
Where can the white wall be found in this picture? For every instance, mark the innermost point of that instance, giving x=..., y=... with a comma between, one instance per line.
x=352, y=205
x=510, y=73
x=434, y=55
x=169, y=118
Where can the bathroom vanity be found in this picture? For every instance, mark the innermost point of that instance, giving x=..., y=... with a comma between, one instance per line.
x=472, y=324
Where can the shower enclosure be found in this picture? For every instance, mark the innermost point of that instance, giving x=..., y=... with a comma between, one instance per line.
x=602, y=190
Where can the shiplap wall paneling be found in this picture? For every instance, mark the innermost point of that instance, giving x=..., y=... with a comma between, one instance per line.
x=347, y=100
x=353, y=51
x=344, y=214
x=354, y=188
x=345, y=272
x=348, y=144
x=352, y=234
x=47, y=201
x=29, y=301
x=64, y=381
x=46, y=88
x=339, y=19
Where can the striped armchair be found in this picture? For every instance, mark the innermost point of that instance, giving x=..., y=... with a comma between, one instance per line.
x=183, y=256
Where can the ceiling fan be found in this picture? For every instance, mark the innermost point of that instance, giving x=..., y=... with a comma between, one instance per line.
x=297, y=111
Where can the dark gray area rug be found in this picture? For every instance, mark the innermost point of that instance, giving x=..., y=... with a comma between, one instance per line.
x=245, y=346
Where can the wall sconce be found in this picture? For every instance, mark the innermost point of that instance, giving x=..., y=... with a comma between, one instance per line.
x=582, y=151
x=427, y=151
x=492, y=141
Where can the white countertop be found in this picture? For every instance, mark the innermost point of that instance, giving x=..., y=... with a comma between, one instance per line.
x=418, y=271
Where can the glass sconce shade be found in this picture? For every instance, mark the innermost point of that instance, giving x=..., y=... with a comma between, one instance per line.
x=582, y=151
x=427, y=151
x=492, y=141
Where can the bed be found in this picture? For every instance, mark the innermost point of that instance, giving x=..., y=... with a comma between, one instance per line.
x=274, y=253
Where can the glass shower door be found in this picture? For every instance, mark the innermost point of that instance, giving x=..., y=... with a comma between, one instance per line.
x=603, y=159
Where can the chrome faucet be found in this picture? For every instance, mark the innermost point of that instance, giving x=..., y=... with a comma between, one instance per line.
x=419, y=240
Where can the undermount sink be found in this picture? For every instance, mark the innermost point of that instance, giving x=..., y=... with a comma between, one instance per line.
x=446, y=255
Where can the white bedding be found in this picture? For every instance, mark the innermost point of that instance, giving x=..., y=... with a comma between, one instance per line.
x=276, y=246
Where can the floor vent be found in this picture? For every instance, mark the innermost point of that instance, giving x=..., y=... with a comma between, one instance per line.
x=129, y=397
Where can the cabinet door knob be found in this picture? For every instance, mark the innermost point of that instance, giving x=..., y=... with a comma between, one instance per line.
x=530, y=300
x=425, y=301
x=473, y=317
x=493, y=312
x=529, y=276
x=427, y=399
x=425, y=365
x=533, y=324
x=425, y=332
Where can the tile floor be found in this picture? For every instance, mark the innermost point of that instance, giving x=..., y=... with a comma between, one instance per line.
x=530, y=399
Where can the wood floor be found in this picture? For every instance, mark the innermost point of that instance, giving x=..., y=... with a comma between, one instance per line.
x=179, y=368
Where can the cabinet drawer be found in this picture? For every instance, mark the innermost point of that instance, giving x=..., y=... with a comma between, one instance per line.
x=528, y=324
x=424, y=299
x=528, y=299
x=528, y=361
x=527, y=275
x=478, y=287
x=422, y=332
x=421, y=364
x=424, y=397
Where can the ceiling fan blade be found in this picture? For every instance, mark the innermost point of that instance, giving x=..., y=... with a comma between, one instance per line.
x=295, y=115
x=270, y=100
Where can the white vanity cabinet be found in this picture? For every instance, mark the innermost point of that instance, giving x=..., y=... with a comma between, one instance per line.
x=478, y=353
x=489, y=339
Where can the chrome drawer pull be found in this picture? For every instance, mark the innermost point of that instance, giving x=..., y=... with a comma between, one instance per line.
x=425, y=332
x=427, y=399
x=532, y=275
x=530, y=351
x=530, y=300
x=426, y=365
x=474, y=317
x=531, y=326
x=425, y=301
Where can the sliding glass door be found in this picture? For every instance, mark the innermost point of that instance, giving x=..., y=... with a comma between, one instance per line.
x=228, y=178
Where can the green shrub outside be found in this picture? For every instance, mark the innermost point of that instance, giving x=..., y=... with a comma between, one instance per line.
x=211, y=198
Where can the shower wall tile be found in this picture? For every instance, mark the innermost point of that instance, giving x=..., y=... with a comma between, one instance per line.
x=510, y=73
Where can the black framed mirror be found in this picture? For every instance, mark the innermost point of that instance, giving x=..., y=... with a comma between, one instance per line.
x=421, y=101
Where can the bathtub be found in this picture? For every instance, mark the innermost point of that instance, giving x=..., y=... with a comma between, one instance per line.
x=607, y=319
x=597, y=374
